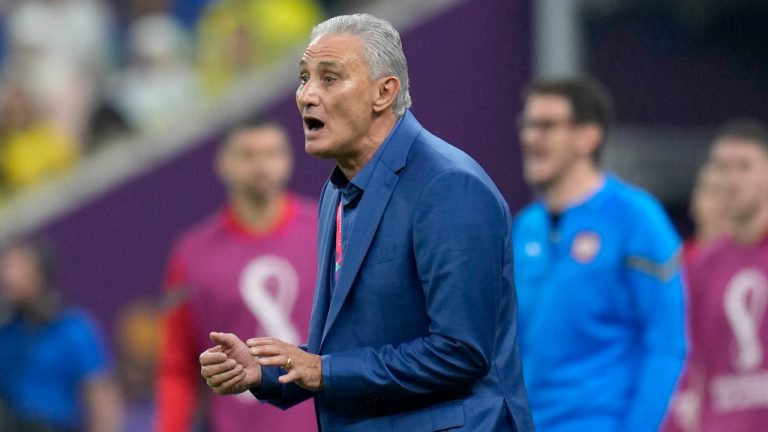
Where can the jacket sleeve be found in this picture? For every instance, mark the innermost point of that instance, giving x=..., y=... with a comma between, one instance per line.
x=282, y=396
x=178, y=374
x=459, y=229
x=653, y=271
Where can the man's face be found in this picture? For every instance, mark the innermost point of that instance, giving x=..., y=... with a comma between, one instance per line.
x=548, y=139
x=744, y=166
x=708, y=203
x=256, y=162
x=335, y=96
x=20, y=278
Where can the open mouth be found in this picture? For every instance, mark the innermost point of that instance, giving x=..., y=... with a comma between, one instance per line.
x=313, y=124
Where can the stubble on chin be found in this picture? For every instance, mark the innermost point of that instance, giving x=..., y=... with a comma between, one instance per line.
x=318, y=151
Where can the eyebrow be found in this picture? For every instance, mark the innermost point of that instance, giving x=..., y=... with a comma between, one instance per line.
x=328, y=64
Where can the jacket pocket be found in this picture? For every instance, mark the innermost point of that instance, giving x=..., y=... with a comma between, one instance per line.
x=437, y=418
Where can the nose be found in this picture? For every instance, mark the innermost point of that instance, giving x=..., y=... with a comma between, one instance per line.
x=529, y=136
x=306, y=95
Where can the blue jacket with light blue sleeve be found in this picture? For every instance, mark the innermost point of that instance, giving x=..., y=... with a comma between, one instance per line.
x=601, y=311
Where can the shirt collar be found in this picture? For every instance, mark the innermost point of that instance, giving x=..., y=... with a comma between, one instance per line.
x=287, y=212
x=351, y=190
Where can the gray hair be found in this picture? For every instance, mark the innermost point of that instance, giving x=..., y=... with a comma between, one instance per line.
x=382, y=49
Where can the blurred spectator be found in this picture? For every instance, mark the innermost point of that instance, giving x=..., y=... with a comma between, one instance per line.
x=139, y=8
x=188, y=12
x=598, y=279
x=708, y=212
x=31, y=148
x=725, y=387
x=159, y=83
x=54, y=362
x=138, y=340
x=249, y=269
x=236, y=37
x=59, y=51
x=106, y=124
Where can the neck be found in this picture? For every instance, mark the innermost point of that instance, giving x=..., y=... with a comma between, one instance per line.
x=751, y=230
x=42, y=309
x=381, y=126
x=707, y=233
x=577, y=184
x=704, y=236
x=258, y=215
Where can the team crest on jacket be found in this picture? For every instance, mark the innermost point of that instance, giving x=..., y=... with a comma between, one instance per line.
x=585, y=246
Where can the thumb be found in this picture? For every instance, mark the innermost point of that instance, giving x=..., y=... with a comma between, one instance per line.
x=226, y=340
x=290, y=377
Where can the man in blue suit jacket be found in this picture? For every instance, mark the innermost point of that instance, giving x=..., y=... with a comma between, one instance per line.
x=414, y=319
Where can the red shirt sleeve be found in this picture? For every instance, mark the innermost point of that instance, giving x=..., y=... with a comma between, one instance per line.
x=178, y=374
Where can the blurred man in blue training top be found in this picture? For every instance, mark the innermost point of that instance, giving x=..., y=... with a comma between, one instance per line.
x=54, y=361
x=598, y=279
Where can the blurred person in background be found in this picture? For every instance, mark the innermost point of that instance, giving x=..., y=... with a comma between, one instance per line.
x=725, y=387
x=236, y=37
x=138, y=341
x=250, y=269
x=188, y=12
x=31, y=148
x=598, y=279
x=708, y=212
x=159, y=84
x=60, y=51
x=54, y=362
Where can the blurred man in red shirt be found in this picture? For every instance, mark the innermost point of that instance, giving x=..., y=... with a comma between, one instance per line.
x=249, y=269
x=725, y=386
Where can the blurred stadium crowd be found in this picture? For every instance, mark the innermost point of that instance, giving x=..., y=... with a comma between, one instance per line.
x=76, y=74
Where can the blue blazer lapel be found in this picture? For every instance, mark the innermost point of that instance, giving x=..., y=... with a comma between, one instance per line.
x=370, y=210
x=326, y=234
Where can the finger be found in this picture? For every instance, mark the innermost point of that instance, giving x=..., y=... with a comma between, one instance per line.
x=263, y=341
x=226, y=340
x=216, y=369
x=211, y=358
x=290, y=377
x=232, y=381
x=227, y=387
x=278, y=360
x=223, y=377
x=267, y=350
x=214, y=349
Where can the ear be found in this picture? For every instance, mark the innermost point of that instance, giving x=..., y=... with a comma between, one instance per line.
x=387, y=89
x=590, y=136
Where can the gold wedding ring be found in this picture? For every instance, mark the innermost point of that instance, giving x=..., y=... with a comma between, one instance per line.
x=287, y=364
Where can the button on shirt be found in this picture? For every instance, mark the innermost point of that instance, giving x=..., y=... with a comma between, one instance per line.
x=352, y=192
